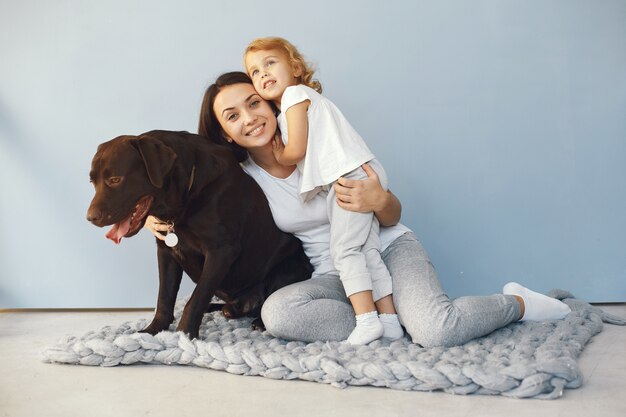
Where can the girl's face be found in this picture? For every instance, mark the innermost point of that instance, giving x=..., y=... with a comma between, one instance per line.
x=245, y=117
x=271, y=72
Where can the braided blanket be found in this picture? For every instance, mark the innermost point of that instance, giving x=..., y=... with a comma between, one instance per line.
x=522, y=360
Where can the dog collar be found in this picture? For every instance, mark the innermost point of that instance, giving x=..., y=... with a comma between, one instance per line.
x=171, y=239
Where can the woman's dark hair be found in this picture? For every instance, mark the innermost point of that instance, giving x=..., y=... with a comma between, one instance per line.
x=209, y=126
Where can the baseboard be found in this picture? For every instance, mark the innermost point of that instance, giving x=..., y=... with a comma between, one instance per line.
x=73, y=310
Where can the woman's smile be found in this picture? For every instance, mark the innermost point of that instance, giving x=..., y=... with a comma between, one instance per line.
x=257, y=130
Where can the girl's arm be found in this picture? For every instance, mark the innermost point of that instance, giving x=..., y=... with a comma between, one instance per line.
x=367, y=195
x=297, y=132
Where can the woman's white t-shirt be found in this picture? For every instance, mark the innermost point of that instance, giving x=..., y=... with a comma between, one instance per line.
x=307, y=221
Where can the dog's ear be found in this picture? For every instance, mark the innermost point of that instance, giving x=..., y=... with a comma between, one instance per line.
x=158, y=158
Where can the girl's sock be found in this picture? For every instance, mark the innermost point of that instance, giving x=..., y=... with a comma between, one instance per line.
x=368, y=328
x=391, y=326
x=537, y=307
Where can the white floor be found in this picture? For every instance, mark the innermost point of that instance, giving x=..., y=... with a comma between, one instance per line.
x=29, y=387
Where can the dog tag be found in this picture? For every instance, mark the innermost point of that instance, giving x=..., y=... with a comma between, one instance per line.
x=171, y=240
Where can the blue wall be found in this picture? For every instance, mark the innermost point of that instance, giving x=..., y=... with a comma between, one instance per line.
x=501, y=124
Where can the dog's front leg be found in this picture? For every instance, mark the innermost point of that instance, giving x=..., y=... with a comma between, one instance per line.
x=170, y=276
x=216, y=266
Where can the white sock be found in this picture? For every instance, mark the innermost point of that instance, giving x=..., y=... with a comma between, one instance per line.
x=391, y=326
x=368, y=328
x=537, y=307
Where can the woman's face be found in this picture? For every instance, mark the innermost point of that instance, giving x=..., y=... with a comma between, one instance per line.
x=245, y=117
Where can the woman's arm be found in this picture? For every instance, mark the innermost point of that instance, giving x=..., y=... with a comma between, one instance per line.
x=367, y=195
x=156, y=227
x=298, y=131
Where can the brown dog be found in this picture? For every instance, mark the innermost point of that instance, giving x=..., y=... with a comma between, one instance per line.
x=228, y=242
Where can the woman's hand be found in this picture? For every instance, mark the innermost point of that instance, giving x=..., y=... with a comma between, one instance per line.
x=156, y=226
x=361, y=195
x=368, y=195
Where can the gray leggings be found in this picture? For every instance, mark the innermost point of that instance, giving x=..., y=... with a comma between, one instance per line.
x=355, y=243
x=318, y=309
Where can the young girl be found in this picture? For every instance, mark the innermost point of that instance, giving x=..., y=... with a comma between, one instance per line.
x=319, y=139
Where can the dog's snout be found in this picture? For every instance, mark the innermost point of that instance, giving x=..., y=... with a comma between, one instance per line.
x=94, y=215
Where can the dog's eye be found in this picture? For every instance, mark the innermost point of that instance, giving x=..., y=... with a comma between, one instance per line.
x=113, y=181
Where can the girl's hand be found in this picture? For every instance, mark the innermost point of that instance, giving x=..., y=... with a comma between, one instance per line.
x=361, y=195
x=156, y=226
x=278, y=147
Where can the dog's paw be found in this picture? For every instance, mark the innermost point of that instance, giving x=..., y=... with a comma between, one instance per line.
x=191, y=333
x=227, y=311
x=157, y=326
x=150, y=330
x=257, y=324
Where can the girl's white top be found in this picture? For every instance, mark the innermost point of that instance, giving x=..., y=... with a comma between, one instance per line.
x=334, y=148
x=307, y=221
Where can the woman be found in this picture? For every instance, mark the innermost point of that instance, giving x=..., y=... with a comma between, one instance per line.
x=318, y=309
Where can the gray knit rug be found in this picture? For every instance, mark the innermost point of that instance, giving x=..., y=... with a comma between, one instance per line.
x=522, y=360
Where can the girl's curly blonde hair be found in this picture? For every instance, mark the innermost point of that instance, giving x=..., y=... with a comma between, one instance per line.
x=296, y=58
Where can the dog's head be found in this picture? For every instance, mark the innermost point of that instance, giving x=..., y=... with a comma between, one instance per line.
x=126, y=173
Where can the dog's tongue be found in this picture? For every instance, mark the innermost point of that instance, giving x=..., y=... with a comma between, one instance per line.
x=119, y=230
